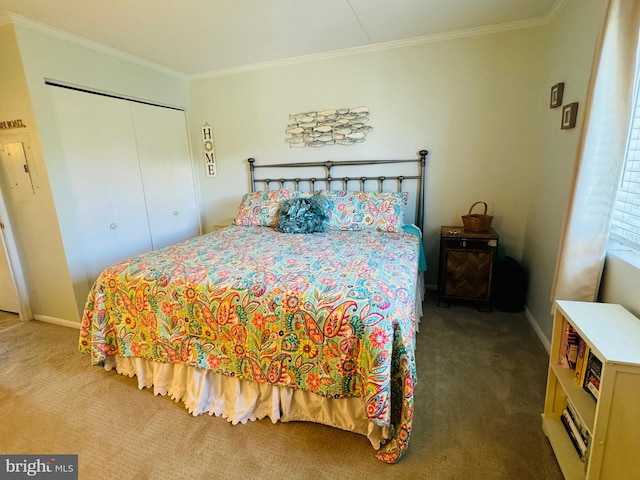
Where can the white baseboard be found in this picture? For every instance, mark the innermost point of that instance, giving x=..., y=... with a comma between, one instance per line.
x=57, y=321
x=541, y=336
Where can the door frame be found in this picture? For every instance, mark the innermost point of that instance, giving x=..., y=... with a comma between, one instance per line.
x=13, y=260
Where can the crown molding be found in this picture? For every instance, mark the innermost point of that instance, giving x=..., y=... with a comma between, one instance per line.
x=84, y=42
x=556, y=9
x=5, y=19
x=438, y=37
x=11, y=18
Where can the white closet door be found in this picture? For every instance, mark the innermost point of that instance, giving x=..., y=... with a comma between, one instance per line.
x=165, y=162
x=102, y=177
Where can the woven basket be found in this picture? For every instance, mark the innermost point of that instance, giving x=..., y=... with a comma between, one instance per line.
x=477, y=222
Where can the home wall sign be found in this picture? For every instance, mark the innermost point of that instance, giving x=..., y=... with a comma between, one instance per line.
x=9, y=124
x=209, y=153
x=343, y=126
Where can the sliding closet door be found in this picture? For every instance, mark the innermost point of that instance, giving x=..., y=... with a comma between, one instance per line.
x=165, y=163
x=102, y=180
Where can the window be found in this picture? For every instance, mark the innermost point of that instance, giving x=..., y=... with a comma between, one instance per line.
x=625, y=222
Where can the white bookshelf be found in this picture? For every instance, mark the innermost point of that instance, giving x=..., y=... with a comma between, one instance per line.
x=613, y=335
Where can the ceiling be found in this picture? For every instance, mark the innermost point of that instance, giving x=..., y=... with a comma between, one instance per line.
x=197, y=37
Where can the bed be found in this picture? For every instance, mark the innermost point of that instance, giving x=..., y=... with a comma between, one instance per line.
x=258, y=320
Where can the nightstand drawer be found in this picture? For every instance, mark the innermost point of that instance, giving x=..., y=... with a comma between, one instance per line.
x=469, y=243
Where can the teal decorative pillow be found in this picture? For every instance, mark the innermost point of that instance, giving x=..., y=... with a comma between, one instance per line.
x=382, y=211
x=303, y=215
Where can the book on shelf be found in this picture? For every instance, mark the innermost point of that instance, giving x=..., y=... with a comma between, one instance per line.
x=581, y=362
x=568, y=346
x=579, y=424
x=564, y=341
x=593, y=386
x=574, y=435
x=592, y=375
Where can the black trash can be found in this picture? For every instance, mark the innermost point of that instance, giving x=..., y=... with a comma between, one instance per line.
x=509, y=285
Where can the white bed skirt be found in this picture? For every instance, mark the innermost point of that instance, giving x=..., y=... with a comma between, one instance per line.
x=239, y=401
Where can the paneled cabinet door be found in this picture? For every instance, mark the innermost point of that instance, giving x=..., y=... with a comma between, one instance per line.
x=99, y=195
x=466, y=265
x=467, y=274
x=165, y=163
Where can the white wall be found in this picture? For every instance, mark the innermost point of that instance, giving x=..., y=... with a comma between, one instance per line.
x=468, y=101
x=33, y=219
x=478, y=104
x=620, y=280
x=54, y=294
x=13, y=93
x=571, y=40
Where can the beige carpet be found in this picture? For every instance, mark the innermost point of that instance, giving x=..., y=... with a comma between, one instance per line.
x=481, y=379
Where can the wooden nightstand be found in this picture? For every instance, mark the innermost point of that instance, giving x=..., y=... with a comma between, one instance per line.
x=466, y=265
x=218, y=226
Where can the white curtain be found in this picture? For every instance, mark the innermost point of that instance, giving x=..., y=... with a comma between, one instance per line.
x=600, y=155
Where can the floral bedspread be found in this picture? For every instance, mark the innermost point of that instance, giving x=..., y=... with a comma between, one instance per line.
x=331, y=313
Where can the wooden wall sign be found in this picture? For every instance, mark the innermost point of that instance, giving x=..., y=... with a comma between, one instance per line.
x=556, y=95
x=569, y=115
x=9, y=124
x=209, y=153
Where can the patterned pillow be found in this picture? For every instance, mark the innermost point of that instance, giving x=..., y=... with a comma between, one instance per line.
x=383, y=211
x=261, y=208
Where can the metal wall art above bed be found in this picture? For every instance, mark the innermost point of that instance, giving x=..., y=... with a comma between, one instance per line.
x=343, y=126
x=382, y=175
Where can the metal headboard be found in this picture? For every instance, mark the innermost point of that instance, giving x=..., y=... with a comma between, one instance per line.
x=328, y=181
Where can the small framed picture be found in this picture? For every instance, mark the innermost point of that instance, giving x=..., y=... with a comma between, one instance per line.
x=569, y=115
x=556, y=95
